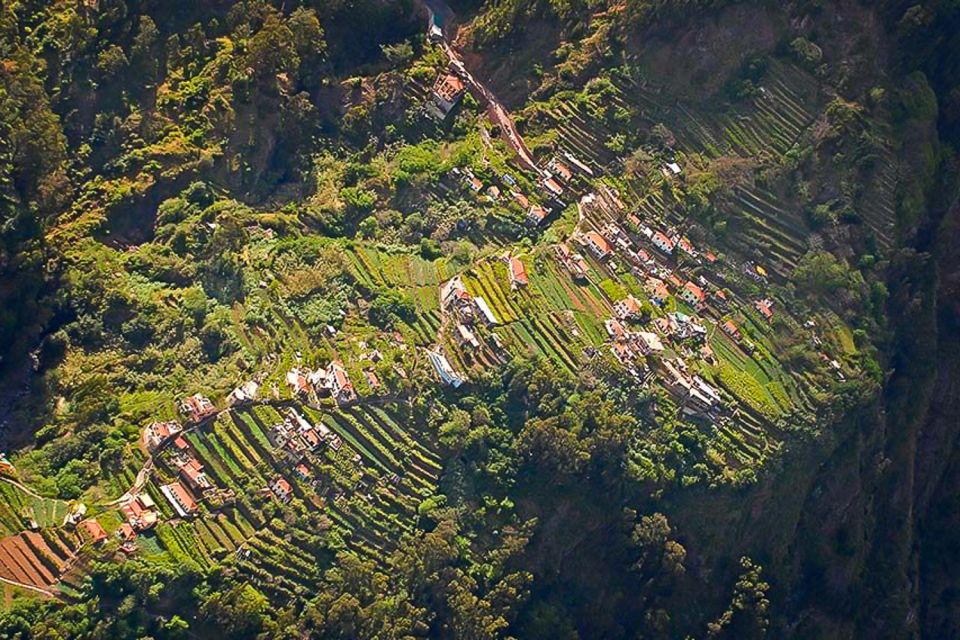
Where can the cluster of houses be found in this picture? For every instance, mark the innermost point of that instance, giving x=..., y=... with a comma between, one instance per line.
x=572, y=262
x=695, y=395
x=294, y=438
x=332, y=380
x=196, y=408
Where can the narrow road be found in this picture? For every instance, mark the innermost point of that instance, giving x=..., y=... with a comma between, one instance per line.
x=495, y=109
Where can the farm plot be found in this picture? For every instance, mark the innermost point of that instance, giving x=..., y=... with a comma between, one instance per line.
x=36, y=559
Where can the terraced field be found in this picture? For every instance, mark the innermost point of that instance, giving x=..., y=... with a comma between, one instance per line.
x=367, y=493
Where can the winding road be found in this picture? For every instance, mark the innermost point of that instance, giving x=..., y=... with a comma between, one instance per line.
x=497, y=113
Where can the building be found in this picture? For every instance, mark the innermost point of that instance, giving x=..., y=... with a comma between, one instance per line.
x=731, y=330
x=281, y=488
x=537, y=215
x=600, y=247
x=485, y=311
x=662, y=242
x=92, y=532
x=6, y=467
x=673, y=168
x=648, y=342
x=442, y=366
x=692, y=294
x=244, y=394
x=159, y=433
x=180, y=499
x=302, y=471
x=550, y=184
x=561, y=170
x=454, y=296
x=518, y=273
x=580, y=166
x=140, y=512
x=765, y=308
x=466, y=337
x=572, y=262
x=447, y=92
x=628, y=309
x=684, y=245
x=520, y=199
x=659, y=294
x=192, y=472
x=372, y=378
x=299, y=384
x=616, y=330
x=197, y=408
x=340, y=386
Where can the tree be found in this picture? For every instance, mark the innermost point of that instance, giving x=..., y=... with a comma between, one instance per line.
x=240, y=611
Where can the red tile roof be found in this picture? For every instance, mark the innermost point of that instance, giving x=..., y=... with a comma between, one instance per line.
x=518, y=272
x=598, y=241
x=92, y=530
x=695, y=290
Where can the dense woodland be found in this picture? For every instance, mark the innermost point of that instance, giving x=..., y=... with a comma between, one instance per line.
x=193, y=195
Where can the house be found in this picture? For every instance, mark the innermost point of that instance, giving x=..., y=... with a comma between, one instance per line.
x=674, y=168
x=180, y=499
x=372, y=378
x=662, y=242
x=659, y=294
x=561, y=170
x=180, y=445
x=648, y=342
x=448, y=89
x=245, y=393
x=574, y=263
x=710, y=256
x=157, y=434
x=281, y=488
x=197, y=408
x=340, y=386
x=6, y=467
x=616, y=330
x=302, y=471
x=518, y=273
x=684, y=245
x=720, y=298
x=126, y=532
x=454, y=296
x=92, y=532
x=731, y=330
x=444, y=370
x=521, y=199
x=765, y=308
x=628, y=309
x=311, y=438
x=701, y=397
x=621, y=352
x=140, y=512
x=692, y=294
x=600, y=247
x=485, y=311
x=755, y=272
x=674, y=280
x=466, y=337
x=494, y=192
x=299, y=384
x=192, y=472
x=551, y=185
x=537, y=215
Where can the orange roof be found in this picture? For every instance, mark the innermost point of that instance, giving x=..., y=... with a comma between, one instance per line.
x=695, y=290
x=192, y=470
x=518, y=272
x=562, y=169
x=631, y=304
x=553, y=185
x=664, y=240
x=183, y=495
x=282, y=486
x=303, y=470
x=598, y=240
x=764, y=309
x=674, y=280
x=711, y=257
x=633, y=220
x=179, y=443
x=521, y=199
x=730, y=327
x=537, y=212
x=448, y=87
x=126, y=531
x=92, y=530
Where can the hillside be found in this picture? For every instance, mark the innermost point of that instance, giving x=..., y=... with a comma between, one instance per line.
x=532, y=319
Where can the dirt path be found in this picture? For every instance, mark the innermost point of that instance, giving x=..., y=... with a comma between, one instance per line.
x=24, y=585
